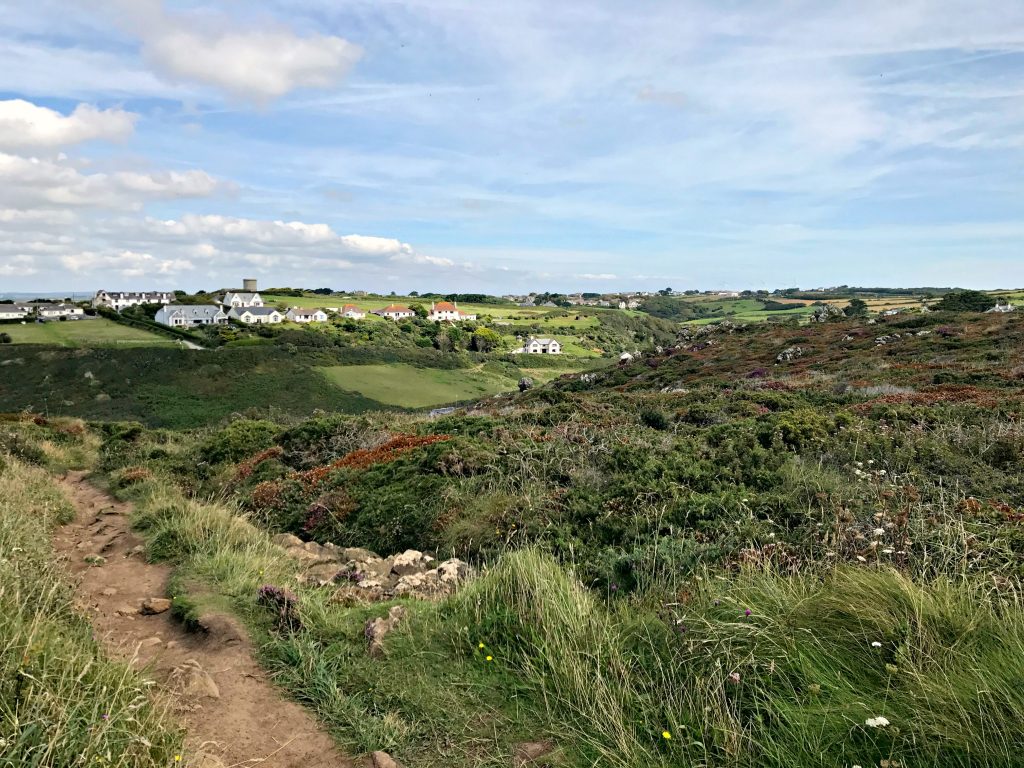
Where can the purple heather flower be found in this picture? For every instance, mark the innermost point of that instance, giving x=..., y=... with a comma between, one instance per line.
x=747, y=612
x=615, y=587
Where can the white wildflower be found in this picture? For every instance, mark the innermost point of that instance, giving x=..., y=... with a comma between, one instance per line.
x=887, y=551
x=879, y=531
x=876, y=722
x=876, y=644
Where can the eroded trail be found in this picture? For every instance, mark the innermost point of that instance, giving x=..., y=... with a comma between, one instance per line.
x=233, y=715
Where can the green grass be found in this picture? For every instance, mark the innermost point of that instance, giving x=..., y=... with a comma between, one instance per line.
x=409, y=387
x=98, y=332
x=62, y=702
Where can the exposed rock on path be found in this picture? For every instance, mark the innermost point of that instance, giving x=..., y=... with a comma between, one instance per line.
x=233, y=715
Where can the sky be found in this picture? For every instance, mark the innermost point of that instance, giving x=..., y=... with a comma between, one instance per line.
x=510, y=145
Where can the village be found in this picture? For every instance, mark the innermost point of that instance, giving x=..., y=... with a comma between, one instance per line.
x=245, y=306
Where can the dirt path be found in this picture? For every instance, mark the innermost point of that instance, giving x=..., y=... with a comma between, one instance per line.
x=233, y=715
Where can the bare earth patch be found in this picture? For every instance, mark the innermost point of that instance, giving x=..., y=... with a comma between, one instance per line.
x=233, y=715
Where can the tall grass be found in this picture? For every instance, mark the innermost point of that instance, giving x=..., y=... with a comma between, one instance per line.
x=62, y=702
x=793, y=683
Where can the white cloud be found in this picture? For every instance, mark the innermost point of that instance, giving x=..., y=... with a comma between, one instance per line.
x=24, y=125
x=17, y=266
x=602, y=276
x=26, y=183
x=255, y=64
x=125, y=263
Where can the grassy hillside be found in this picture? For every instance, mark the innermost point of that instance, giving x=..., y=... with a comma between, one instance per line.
x=97, y=332
x=180, y=388
x=765, y=546
x=406, y=386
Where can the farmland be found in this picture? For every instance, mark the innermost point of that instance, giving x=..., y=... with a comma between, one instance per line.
x=407, y=386
x=97, y=332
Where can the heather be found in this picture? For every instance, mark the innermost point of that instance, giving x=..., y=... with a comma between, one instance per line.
x=711, y=554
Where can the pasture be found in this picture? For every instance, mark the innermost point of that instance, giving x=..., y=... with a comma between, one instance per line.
x=97, y=332
x=407, y=386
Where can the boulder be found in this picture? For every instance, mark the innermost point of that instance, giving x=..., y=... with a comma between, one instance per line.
x=192, y=681
x=287, y=540
x=453, y=571
x=788, y=354
x=358, y=554
x=384, y=760
x=377, y=629
x=422, y=584
x=529, y=752
x=411, y=561
x=154, y=605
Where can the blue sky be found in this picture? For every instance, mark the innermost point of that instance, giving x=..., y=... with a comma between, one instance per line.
x=506, y=146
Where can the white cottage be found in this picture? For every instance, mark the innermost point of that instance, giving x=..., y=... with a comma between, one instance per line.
x=14, y=311
x=239, y=299
x=188, y=315
x=535, y=346
x=118, y=300
x=256, y=315
x=394, y=312
x=303, y=315
x=58, y=311
x=444, y=311
x=352, y=312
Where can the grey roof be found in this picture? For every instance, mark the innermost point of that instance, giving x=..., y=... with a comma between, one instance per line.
x=191, y=311
x=260, y=311
x=133, y=294
x=240, y=294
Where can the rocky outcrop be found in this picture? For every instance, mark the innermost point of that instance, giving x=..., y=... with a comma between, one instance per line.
x=826, y=312
x=890, y=338
x=372, y=577
x=789, y=354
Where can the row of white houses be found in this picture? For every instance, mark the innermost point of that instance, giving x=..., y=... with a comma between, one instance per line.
x=41, y=312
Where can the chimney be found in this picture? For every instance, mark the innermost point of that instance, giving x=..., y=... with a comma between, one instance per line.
x=249, y=285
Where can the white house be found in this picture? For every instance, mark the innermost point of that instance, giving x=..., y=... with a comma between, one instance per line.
x=394, y=312
x=540, y=347
x=57, y=311
x=14, y=311
x=352, y=312
x=188, y=315
x=118, y=300
x=1002, y=308
x=302, y=315
x=256, y=315
x=444, y=311
x=236, y=299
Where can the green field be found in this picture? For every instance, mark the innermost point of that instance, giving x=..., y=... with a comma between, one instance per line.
x=407, y=386
x=82, y=333
x=369, y=304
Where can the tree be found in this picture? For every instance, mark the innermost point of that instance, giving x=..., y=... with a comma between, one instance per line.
x=856, y=308
x=665, y=292
x=419, y=309
x=5, y=338
x=965, y=301
x=487, y=340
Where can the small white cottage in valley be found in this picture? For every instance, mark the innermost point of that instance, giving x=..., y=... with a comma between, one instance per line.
x=535, y=346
